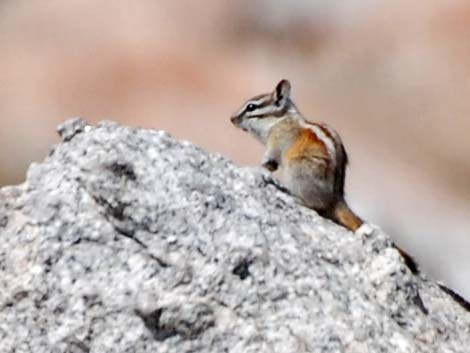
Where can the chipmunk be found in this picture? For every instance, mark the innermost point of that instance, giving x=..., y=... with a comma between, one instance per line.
x=313, y=160
x=311, y=155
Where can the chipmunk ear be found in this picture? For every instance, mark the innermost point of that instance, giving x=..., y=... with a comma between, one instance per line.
x=282, y=92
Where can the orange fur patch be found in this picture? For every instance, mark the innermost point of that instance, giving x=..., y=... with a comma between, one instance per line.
x=307, y=145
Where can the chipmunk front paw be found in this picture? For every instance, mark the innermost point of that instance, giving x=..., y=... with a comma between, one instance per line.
x=270, y=165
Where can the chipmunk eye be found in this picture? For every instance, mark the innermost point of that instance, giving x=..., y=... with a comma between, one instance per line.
x=250, y=107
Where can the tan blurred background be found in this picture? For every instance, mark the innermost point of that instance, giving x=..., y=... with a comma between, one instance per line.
x=393, y=77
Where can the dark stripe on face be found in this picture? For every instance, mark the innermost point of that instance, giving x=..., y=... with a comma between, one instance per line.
x=266, y=101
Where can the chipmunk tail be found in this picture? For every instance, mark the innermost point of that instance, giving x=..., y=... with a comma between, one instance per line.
x=343, y=215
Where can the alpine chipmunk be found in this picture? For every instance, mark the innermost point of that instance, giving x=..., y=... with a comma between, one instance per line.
x=311, y=155
x=312, y=159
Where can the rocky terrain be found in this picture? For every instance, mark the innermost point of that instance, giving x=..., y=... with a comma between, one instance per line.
x=127, y=240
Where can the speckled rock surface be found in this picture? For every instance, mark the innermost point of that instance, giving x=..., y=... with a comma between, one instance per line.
x=126, y=240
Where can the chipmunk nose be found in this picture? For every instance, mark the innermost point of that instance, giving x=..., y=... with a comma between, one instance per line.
x=235, y=119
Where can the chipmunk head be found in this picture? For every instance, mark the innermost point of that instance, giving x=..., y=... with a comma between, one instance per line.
x=261, y=112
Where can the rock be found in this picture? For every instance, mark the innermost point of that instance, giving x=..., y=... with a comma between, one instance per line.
x=126, y=240
x=72, y=127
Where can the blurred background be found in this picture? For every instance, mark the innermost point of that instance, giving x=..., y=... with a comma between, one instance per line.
x=393, y=77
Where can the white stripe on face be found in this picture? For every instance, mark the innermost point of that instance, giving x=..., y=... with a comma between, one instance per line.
x=256, y=102
x=243, y=112
x=263, y=111
x=260, y=109
x=260, y=127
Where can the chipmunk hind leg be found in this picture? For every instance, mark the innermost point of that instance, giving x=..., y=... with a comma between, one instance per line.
x=310, y=183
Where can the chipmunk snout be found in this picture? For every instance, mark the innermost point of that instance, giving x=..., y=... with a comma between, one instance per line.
x=236, y=119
